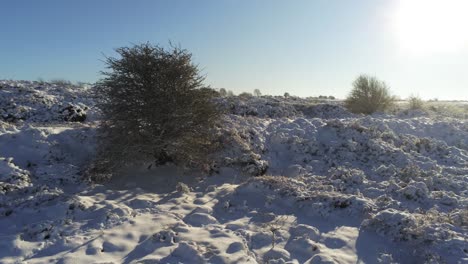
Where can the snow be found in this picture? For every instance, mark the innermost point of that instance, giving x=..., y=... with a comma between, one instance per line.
x=299, y=181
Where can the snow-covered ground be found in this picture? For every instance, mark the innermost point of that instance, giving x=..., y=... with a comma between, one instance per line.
x=298, y=182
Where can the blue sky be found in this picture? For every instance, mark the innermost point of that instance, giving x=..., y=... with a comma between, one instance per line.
x=306, y=48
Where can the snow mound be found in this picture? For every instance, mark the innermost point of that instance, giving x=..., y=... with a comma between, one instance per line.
x=44, y=102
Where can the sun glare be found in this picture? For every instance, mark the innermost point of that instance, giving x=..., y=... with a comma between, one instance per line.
x=428, y=26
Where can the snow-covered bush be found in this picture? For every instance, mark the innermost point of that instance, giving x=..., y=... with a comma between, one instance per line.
x=74, y=112
x=392, y=223
x=13, y=181
x=240, y=147
x=347, y=175
x=22, y=101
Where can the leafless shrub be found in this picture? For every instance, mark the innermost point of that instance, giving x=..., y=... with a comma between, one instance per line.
x=274, y=226
x=415, y=103
x=369, y=95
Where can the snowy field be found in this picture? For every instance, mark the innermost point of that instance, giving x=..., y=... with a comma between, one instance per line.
x=299, y=181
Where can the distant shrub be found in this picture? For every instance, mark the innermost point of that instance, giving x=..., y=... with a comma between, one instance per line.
x=61, y=82
x=257, y=92
x=369, y=95
x=222, y=92
x=210, y=92
x=415, y=103
x=82, y=84
x=155, y=108
x=450, y=109
x=245, y=95
x=331, y=97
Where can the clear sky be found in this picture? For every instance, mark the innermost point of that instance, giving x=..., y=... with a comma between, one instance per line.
x=304, y=47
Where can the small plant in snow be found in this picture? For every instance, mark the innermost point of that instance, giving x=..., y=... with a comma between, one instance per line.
x=166, y=236
x=409, y=172
x=182, y=187
x=227, y=204
x=385, y=258
x=274, y=226
x=269, y=200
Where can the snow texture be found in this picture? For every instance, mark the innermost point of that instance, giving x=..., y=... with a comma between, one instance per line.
x=299, y=181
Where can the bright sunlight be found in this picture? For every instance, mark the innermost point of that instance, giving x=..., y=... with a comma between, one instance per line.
x=429, y=26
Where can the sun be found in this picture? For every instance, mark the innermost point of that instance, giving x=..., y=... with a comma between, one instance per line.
x=430, y=26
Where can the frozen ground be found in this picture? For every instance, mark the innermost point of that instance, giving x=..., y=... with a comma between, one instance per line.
x=297, y=183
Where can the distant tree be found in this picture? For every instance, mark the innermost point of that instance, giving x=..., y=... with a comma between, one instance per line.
x=331, y=97
x=222, y=92
x=156, y=108
x=286, y=95
x=230, y=93
x=369, y=95
x=257, y=93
